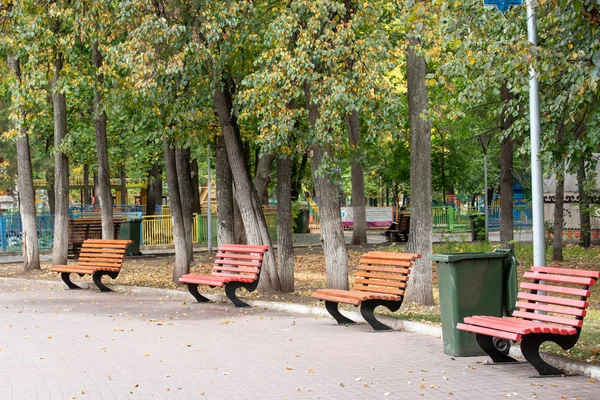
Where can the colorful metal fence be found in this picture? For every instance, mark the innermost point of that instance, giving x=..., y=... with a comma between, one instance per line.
x=11, y=231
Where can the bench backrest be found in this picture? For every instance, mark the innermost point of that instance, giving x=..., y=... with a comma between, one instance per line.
x=239, y=259
x=384, y=272
x=568, y=308
x=404, y=222
x=84, y=228
x=103, y=254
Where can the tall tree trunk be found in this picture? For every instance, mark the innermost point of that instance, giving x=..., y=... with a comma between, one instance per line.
x=359, y=230
x=154, y=189
x=285, y=248
x=506, y=177
x=420, y=289
x=87, y=199
x=196, y=209
x=182, y=261
x=263, y=177
x=334, y=244
x=61, y=178
x=184, y=179
x=123, y=188
x=225, y=232
x=584, y=207
x=255, y=225
x=29, y=240
x=104, y=193
x=559, y=217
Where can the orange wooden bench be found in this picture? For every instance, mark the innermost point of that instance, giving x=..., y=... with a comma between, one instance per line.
x=235, y=266
x=97, y=258
x=553, y=309
x=380, y=281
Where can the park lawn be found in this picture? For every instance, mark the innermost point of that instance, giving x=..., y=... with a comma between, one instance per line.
x=155, y=271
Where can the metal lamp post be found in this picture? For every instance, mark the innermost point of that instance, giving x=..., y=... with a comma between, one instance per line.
x=484, y=140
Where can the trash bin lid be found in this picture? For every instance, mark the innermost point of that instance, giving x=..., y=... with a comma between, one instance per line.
x=452, y=257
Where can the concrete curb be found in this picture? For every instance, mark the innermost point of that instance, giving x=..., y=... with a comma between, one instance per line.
x=564, y=363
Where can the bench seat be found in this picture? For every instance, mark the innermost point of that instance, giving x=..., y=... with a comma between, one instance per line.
x=380, y=281
x=235, y=266
x=97, y=258
x=542, y=316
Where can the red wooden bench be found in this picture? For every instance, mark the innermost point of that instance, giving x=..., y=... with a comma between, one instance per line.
x=97, y=258
x=553, y=309
x=380, y=281
x=236, y=265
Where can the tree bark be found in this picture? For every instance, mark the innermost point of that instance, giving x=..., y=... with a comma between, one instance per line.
x=182, y=261
x=332, y=234
x=420, y=289
x=584, y=207
x=184, y=179
x=225, y=232
x=154, y=189
x=104, y=192
x=263, y=177
x=29, y=239
x=87, y=199
x=285, y=248
x=559, y=217
x=506, y=176
x=359, y=230
x=255, y=225
x=61, y=178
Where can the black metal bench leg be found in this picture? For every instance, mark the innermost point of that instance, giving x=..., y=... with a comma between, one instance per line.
x=66, y=277
x=530, y=347
x=487, y=344
x=193, y=289
x=231, y=287
x=97, y=277
x=332, y=308
x=367, y=310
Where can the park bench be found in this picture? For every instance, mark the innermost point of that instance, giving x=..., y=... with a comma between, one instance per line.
x=552, y=309
x=380, y=281
x=235, y=266
x=84, y=228
x=399, y=230
x=97, y=258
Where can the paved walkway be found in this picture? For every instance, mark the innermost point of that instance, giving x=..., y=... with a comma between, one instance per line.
x=61, y=344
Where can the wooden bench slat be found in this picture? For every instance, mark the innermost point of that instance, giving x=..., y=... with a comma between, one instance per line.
x=244, y=248
x=382, y=269
x=366, y=274
x=202, y=280
x=240, y=256
x=573, y=280
x=368, y=288
x=234, y=262
x=553, y=300
x=568, y=271
x=556, y=289
x=504, y=324
x=548, y=318
x=336, y=299
x=489, y=332
x=379, y=282
x=381, y=261
x=238, y=270
x=550, y=308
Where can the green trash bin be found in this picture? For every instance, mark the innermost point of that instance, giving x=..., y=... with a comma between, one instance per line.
x=302, y=221
x=132, y=230
x=469, y=284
